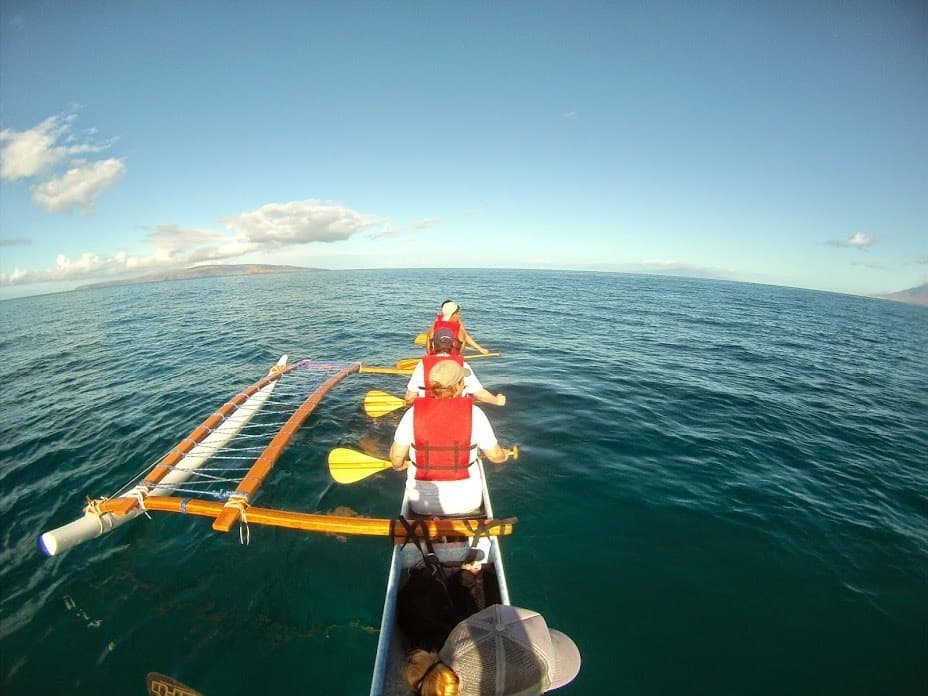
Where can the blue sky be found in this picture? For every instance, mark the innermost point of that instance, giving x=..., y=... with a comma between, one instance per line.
x=770, y=142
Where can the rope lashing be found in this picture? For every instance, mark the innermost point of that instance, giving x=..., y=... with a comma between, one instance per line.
x=240, y=503
x=140, y=494
x=93, y=508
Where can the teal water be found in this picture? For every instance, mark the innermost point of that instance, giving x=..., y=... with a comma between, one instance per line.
x=723, y=487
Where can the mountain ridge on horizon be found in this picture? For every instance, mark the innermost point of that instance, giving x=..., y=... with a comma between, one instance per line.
x=917, y=295
x=205, y=271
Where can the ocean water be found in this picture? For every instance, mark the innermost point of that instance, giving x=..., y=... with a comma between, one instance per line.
x=723, y=487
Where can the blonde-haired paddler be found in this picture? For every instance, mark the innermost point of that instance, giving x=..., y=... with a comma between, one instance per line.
x=442, y=435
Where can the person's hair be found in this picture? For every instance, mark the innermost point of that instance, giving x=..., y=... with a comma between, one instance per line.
x=440, y=392
x=440, y=680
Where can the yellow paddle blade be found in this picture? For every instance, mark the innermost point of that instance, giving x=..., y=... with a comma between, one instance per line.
x=407, y=363
x=350, y=466
x=378, y=403
x=161, y=685
x=420, y=339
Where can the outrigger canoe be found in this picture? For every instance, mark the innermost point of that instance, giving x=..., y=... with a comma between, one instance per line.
x=219, y=467
x=453, y=552
x=217, y=470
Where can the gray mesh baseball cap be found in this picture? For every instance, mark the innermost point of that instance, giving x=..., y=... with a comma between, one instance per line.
x=508, y=651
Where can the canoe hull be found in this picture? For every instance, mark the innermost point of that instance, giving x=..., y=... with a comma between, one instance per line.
x=392, y=646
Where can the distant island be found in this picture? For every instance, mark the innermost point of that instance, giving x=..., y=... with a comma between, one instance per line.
x=917, y=295
x=214, y=271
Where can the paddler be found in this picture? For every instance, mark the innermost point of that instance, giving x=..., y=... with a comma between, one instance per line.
x=449, y=316
x=499, y=651
x=442, y=436
x=443, y=341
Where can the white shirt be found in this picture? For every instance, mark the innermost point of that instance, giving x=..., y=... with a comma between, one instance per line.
x=446, y=497
x=416, y=382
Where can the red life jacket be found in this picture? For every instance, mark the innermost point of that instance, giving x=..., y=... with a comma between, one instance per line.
x=454, y=327
x=429, y=361
x=441, y=434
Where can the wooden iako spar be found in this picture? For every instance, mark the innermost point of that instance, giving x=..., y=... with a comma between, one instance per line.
x=158, y=490
x=217, y=430
x=336, y=524
x=123, y=506
x=255, y=476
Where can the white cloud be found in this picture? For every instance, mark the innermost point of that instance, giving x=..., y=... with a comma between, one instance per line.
x=51, y=152
x=79, y=186
x=299, y=222
x=858, y=240
x=34, y=152
x=268, y=228
x=28, y=153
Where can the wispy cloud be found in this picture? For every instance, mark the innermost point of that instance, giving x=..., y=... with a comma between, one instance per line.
x=412, y=228
x=271, y=227
x=79, y=186
x=571, y=115
x=56, y=156
x=858, y=240
x=20, y=241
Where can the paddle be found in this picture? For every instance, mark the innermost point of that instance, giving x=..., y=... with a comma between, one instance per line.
x=161, y=685
x=385, y=370
x=410, y=363
x=378, y=403
x=350, y=466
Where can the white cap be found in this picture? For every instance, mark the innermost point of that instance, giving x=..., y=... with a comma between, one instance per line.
x=448, y=309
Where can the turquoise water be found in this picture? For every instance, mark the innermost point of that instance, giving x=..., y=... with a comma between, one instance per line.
x=722, y=487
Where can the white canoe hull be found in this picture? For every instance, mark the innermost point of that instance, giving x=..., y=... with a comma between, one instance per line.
x=391, y=646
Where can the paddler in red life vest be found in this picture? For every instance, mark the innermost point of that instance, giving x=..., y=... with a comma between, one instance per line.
x=449, y=317
x=442, y=435
x=443, y=341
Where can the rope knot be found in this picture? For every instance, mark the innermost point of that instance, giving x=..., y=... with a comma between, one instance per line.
x=240, y=503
